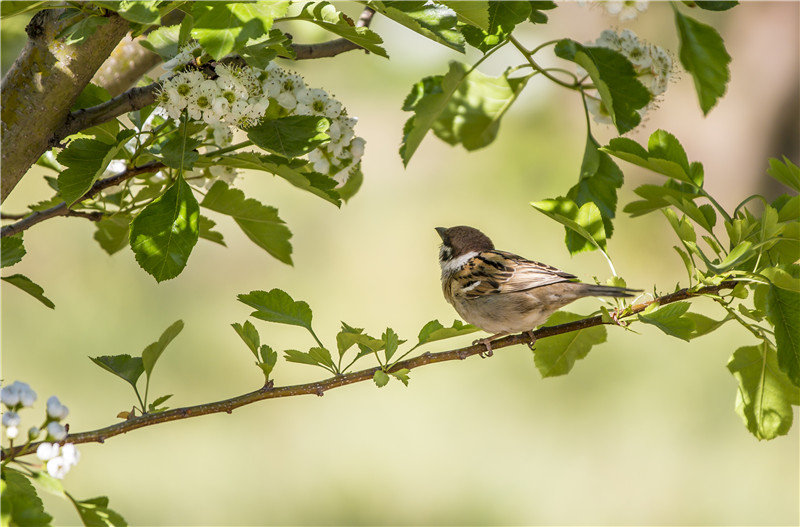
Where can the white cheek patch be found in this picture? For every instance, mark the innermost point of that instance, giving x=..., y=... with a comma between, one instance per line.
x=457, y=263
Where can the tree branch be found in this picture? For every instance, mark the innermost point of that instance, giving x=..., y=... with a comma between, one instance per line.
x=137, y=98
x=62, y=209
x=319, y=388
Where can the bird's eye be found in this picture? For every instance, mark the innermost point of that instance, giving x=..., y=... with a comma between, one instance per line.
x=445, y=253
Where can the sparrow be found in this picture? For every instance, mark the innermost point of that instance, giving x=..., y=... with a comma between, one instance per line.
x=501, y=292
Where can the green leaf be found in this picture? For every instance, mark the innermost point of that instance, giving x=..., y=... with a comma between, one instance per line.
x=655, y=197
x=141, y=12
x=703, y=55
x=154, y=406
x=165, y=232
x=401, y=375
x=714, y=5
x=113, y=232
x=428, y=99
x=9, y=8
x=325, y=15
x=94, y=512
x=300, y=357
x=278, y=306
x=665, y=156
x=27, y=285
x=765, y=393
x=78, y=33
x=682, y=227
x=787, y=172
x=615, y=79
x=472, y=12
x=779, y=277
x=206, y=231
x=672, y=320
x=381, y=378
x=503, y=18
x=221, y=27
x=11, y=250
x=290, y=136
x=783, y=312
x=473, y=112
x=269, y=358
x=260, y=223
x=434, y=21
x=20, y=503
x=152, y=352
x=92, y=95
x=86, y=160
x=163, y=41
x=556, y=355
x=392, y=341
x=599, y=180
x=249, y=334
x=434, y=330
x=704, y=325
x=125, y=367
x=347, y=337
x=322, y=356
x=260, y=52
x=296, y=172
x=537, y=17
x=175, y=154
x=586, y=221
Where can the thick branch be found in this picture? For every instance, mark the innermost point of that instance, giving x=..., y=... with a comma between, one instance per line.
x=62, y=209
x=319, y=388
x=137, y=98
x=41, y=86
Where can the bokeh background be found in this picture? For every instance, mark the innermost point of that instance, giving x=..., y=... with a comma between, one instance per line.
x=640, y=432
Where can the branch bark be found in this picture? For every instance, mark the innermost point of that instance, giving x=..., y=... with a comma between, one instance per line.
x=62, y=209
x=319, y=388
x=41, y=86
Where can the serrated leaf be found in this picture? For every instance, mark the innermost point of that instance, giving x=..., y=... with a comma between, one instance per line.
x=381, y=378
x=503, y=18
x=175, y=154
x=615, y=79
x=113, y=232
x=655, y=196
x=434, y=330
x=296, y=172
x=321, y=356
x=165, y=232
x=765, y=394
x=20, y=503
x=269, y=358
x=779, y=277
x=163, y=41
x=473, y=12
x=401, y=375
x=556, y=355
x=704, y=325
x=152, y=352
x=125, y=367
x=249, y=334
x=85, y=162
x=290, y=136
x=326, y=16
x=703, y=55
x=786, y=172
x=152, y=407
x=391, y=341
x=11, y=250
x=30, y=287
x=260, y=223
x=671, y=320
x=473, y=112
x=9, y=8
x=665, y=156
x=77, y=33
x=586, y=221
x=207, y=232
x=599, y=180
x=278, y=306
x=221, y=27
x=95, y=512
x=783, y=312
x=300, y=357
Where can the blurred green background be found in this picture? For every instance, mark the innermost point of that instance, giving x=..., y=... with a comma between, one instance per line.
x=640, y=432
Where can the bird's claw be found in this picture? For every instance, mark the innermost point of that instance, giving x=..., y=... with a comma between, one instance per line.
x=485, y=342
x=615, y=317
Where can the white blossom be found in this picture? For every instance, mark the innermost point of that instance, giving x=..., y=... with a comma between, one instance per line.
x=17, y=393
x=11, y=419
x=47, y=451
x=319, y=161
x=12, y=432
x=625, y=10
x=58, y=464
x=55, y=409
x=56, y=430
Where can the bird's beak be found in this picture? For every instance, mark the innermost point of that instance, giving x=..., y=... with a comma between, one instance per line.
x=441, y=231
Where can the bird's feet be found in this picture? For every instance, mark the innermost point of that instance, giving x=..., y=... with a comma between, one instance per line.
x=487, y=342
x=615, y=317
x=532, y=336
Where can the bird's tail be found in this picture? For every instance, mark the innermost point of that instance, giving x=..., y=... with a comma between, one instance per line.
x=607, y=290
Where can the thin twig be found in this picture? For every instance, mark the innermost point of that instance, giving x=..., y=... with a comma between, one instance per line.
x=62, y=209
x=320, y=387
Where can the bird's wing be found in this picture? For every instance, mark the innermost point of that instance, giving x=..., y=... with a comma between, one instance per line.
x=497, y=272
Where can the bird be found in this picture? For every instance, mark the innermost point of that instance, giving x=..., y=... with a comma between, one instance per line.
x=503, y=293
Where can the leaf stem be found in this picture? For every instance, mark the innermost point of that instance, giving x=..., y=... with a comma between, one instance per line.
x=535, y=66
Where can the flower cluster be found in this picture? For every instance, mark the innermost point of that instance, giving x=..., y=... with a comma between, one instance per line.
x=625, y=9
x=19, y=395
x=653, y=66
x=239, y=97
